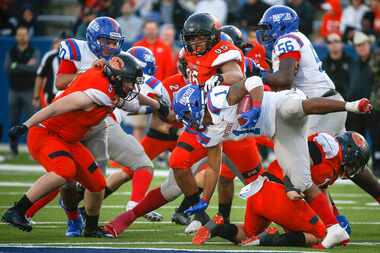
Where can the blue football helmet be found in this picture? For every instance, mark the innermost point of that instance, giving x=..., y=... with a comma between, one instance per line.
x=108, y=28
x=145, y=58
x=355, y=152
x=277, y=21
x=189, y=106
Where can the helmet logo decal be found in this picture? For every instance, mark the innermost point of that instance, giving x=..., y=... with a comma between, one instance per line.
x=186, y=96
x=358, y=140
x=281, y=17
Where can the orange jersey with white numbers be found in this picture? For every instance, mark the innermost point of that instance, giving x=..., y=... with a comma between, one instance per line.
x=326, y=154
x=72, y=126
x=201, y=68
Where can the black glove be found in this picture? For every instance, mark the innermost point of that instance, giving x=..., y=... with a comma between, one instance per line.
x=16, y=131
x=163, y=111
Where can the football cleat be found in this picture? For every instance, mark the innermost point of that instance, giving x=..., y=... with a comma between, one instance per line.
x=153, y=216
x=74, y=227
x=180, y=218
x=13, y=217
x=201, y=236
x=193, y=227
x=335, y=235
x=99, y=232
x=251, y=241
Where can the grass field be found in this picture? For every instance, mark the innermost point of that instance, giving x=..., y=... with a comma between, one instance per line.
x=361, y=210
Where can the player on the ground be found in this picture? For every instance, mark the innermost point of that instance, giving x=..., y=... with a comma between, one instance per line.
x=296, y=64
x=346, y=155
x=55, y=133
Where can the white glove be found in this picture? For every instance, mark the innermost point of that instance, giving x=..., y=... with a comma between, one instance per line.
x=359, y=106
x=213, y=81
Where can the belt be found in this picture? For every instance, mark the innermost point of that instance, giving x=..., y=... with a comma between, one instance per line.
x=161, y=136
x=329, y=93
x=252, y=172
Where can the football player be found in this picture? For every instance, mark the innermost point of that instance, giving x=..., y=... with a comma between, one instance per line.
x=55, y=133
x=283, y=118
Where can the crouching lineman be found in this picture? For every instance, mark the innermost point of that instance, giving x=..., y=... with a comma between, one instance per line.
x=55, y=133
x=280, y=116
x=343, y=156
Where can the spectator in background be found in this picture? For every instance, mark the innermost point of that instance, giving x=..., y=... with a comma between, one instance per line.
x=29, y=20
x=331, y=19
x=375, y=122
x=305, y=12
x=130, y=23
x=371, y=19
x=217, y=8
x=337, y=63
x=352, y=17
x=88, y=15
x=167, y=35
x=161, y=51
x=21, y=64
x=251, y=12
x=361, y=81
x=257, y=52
x=44, y=85
x=8, y=22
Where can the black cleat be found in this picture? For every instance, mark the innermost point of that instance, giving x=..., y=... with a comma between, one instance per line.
x=99, y=232
x=16, y=219
x=180, y=218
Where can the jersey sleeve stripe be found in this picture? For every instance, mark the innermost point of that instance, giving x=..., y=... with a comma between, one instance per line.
x=211, y=107
x=202, y=138
x=73, y=50
x=152, y=82
x=70, y=50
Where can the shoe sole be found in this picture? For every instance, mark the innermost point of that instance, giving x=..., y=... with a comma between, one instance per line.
x=22, y=228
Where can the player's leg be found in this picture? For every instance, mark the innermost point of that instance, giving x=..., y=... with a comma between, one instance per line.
x=292, y=153
x=39, y=204
x=91, y=177
x=53, y=154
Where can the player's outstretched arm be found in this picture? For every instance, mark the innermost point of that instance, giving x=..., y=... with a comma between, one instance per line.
x=325, y=105
x=74, y=101
x=368, y=182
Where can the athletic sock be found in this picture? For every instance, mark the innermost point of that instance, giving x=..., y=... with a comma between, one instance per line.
x=185, y=204
x=321, y=206
x=41, y=203
x=23, y=204
x=225, y=211
x=140, y=183
x=226, y=231
x=92, y=222
x=153, y=200
x=286, y=239
x=107, y=192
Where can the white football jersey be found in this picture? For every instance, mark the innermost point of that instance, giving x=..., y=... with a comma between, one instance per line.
x=310, y=77
x=225, y=118
x=78, y=52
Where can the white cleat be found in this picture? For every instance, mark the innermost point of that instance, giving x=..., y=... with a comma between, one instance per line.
x=151, y=216
x=251, y=241
x=335, y=235
x=193, y=227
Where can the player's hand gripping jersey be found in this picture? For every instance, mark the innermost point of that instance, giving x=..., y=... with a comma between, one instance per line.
x=310, y=75
x=72, y=126
x=201, y=68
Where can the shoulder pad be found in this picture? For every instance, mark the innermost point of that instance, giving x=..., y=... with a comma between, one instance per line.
x=71, y=49
x=287, y=43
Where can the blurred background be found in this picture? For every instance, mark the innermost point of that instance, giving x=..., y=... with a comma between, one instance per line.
x=345, y=34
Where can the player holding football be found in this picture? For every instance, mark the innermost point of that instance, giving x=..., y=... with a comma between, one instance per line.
x=55, y=133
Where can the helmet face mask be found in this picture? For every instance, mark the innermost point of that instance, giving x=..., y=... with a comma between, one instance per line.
x=109, y=46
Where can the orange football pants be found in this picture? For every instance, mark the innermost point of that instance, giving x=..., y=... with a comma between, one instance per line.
x=272, y=204
x=72, y=161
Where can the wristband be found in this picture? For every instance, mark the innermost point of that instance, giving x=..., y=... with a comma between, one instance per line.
x=351, y=106
x=253, y=82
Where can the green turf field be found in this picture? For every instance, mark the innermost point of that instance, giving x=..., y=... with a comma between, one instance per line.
x=361, y=210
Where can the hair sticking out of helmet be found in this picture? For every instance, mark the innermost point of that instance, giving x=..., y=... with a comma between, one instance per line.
x=355, y=152
x=104, y=37
x=200, y=33
x=277, y=21
x=146, y=59
x=189, y=106
x=127, y=79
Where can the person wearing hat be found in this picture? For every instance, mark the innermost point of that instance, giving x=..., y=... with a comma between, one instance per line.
x=337, y=63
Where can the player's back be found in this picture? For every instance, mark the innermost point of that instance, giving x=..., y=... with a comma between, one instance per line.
x=78, y=52
x=72, y=126
x=310, y=76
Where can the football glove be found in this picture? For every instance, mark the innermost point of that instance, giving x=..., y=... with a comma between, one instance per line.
x=163, y=111
x=16, y=131
x=197, y=208
x=249, y=119
x=213, y=81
